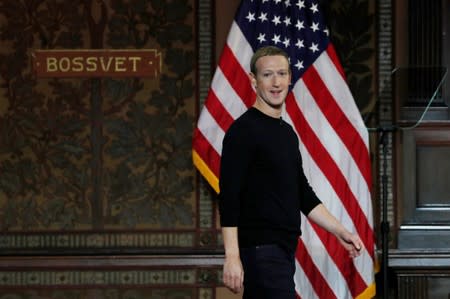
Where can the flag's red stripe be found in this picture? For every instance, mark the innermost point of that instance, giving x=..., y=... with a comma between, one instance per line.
x=332, y=172
x=342, y=260
x=335, y=59
x=339, y=121
x=218, y=111
x=333, y=56
x=206, y=151
x=237, y=76
x=315, y=277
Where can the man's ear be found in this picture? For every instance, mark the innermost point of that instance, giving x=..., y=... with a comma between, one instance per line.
x=252, y=79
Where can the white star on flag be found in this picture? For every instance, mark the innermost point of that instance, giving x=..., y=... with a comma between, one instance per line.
x=299, y=64
x=276, y=39
x=276, y=20
x=263, y=17
x=250, y=17
x=314, y=47
x=262, y=38
x=315, y=27
x=287, y=21
x=299, y=25
x=300, y=44
x=300, y=4
x=314, y=8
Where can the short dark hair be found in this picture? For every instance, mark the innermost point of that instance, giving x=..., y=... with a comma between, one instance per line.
x=266, y=51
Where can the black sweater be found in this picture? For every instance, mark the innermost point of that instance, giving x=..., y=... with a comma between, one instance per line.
x=262, y=184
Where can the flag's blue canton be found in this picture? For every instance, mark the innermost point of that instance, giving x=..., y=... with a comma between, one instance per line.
x=297, y=26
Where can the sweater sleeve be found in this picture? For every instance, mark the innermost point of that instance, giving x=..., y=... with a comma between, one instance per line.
x=308, y=198
x=233, y=174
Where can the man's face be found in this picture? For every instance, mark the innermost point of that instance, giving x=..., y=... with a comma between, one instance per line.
x=271, y=80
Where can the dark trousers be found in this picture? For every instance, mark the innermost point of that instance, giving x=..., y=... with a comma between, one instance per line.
x=268, y=272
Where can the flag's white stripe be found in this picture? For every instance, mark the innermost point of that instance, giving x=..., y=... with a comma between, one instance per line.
x=314, y=245
x=302, y=283
x=211, y=130
x=332, y=143
x=364, y=263
x=341, y=93
x=326, y=192
x=239, y=46
x=227, y=95
x=324, y=262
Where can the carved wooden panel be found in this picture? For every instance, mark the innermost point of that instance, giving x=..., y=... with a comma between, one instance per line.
x=433, y=170
x=412, y=287
x=421, y=274
x=424, y=203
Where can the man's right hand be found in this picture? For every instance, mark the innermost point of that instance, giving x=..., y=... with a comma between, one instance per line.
x=233, y=273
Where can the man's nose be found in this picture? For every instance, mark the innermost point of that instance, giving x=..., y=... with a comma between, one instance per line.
x=276, y=80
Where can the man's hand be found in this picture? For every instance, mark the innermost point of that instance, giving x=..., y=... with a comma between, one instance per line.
x=351, y=242
x=233, y=273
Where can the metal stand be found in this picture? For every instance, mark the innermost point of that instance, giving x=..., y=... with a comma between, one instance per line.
x=385, y=223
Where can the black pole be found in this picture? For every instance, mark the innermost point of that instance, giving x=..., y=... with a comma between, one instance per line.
x=384, y=141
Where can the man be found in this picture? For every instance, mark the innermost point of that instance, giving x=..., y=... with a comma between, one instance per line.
x=263, y=189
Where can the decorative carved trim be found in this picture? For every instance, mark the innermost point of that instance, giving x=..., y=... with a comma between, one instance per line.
x=95, y=241
x=187, y=271
x=205, y=66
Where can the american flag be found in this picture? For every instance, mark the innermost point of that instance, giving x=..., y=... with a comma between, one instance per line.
x=333, y=137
